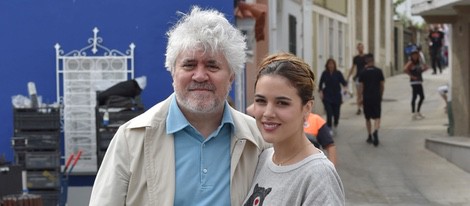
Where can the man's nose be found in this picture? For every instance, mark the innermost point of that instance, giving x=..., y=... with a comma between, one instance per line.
x=200, y=74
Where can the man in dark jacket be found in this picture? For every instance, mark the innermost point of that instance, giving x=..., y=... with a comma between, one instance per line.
x=372, y=87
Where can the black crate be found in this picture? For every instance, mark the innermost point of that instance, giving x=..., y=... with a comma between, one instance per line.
x=36, y=140
x=42, y=160
x=49, y=198
x=36, y=119
x=20, y=157
x=22, y=199
x=116, y=119
x=100, y=157
x=104, y=138
x=46, y=179
x=10, y=180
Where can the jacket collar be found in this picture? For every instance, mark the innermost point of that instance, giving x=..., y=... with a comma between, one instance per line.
x=153, y=116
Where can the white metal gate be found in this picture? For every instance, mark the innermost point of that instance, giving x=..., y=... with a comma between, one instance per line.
x=79, y=75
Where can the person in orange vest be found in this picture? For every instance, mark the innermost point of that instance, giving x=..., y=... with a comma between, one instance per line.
x=319, y=134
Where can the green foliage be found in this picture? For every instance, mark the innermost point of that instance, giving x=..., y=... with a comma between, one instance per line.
x=405, y=20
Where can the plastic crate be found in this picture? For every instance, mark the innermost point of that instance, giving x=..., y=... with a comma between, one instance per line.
x=49, y=198
x=116, y=119
x=22, y=200
x=36, y=119
x=104, y=138
x=20, y=157
x=42, y=160
x=36, y=140
x=100, y=157
x=43, y=179
x=10, y=180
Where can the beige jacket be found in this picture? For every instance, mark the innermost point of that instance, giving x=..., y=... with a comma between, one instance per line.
x=139, y=165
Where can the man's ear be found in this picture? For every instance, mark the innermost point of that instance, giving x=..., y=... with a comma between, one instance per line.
x=232, y=78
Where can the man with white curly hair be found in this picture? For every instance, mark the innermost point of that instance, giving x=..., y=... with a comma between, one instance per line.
x=192, y=148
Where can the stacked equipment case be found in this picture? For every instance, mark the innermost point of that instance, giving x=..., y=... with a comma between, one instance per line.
x=36, y=145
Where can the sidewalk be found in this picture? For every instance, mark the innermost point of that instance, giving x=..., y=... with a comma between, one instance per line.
x=400, y=171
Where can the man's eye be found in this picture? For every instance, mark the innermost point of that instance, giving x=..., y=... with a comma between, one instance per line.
x=188, y=66
x=213, y=67
x=283, y=103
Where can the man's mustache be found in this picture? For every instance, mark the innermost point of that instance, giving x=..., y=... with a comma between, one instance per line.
x=201, y=86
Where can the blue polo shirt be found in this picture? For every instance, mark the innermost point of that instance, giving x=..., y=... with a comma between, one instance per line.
x=202, y=165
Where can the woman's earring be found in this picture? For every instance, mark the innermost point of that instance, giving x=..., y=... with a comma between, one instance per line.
x=306, y=124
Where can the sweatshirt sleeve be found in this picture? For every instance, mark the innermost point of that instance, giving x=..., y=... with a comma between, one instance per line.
x=328, y=188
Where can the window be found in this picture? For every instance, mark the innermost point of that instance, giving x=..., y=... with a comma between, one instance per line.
x=331, y=34
x=340, y=44
x=292, y=34
x=321, y=42
x=250, y=44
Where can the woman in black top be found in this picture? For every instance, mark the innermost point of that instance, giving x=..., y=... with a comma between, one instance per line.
x=414, y=68
x=330, y=91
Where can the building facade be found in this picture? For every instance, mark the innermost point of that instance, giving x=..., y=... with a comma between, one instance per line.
x=456, y=13
x=320, y=29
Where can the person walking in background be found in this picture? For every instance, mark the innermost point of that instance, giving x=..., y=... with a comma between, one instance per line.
x=192, y=148
x=443, y=90
x=356, y=69
x=415, y=68
x=330, y=92
x=319, y=135
x=372, y=87
x=422, y=59
x=436, y=39
x=293, y=171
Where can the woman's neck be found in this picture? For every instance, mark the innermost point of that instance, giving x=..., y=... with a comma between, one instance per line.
x=291, y=152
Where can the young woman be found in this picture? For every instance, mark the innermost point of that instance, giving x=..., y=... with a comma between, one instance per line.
x=293, y=171
x=330, y=90
x=414, y=68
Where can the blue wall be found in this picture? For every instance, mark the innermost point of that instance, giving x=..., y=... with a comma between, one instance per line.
x=30, y=28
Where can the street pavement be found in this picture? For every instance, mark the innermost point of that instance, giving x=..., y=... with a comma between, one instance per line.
x=400, y=171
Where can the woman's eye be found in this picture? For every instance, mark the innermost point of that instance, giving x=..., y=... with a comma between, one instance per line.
x=260, y=101
x=283, y=103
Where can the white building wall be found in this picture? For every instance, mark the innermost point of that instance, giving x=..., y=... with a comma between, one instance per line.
x=328, y=34
x=365, y=26
x=274, y=15
x=307, y=32
x=377, y=34
x=388, y=32
x=281, y=25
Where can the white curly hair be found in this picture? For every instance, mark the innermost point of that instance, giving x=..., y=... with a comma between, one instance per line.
x=209, y=30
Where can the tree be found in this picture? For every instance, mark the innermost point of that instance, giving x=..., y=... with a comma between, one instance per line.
x=403, y=18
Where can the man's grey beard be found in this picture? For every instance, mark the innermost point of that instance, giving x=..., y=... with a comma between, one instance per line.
x=199, y=104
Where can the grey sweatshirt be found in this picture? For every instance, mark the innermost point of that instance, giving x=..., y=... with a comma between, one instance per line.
x=312, y=181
